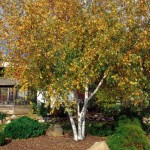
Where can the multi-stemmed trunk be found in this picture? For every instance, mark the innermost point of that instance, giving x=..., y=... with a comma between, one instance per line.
x=79, y=130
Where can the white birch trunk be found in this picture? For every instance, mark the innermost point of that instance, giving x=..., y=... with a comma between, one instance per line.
x=80, y=135
x=84, y=113
x=87, y=98
x=74, y=129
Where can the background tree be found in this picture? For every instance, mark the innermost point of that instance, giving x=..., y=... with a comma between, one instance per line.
x=64, y=46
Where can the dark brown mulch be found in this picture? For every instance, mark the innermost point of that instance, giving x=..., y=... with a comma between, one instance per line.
x=51, y=143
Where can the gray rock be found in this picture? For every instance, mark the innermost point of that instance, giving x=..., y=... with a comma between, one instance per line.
x=99, y=146
x=8, y=121
x=146, y=120
x=7, y=118
x=54, y=130
x=42, y=120
x=13, y=117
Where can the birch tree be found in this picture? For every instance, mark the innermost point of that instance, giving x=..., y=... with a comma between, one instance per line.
x=64, y=46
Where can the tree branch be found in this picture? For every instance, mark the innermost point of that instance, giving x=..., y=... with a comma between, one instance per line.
x=98, y=86
x=94, y=92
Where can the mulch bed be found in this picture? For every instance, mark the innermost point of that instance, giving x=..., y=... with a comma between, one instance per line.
x=51, y=143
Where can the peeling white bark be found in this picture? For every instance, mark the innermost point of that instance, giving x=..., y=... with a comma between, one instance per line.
x=74, y=129
x=86, y=95
x=96, y=89
x=80, y=137
x=87, y=98
x=80, y=134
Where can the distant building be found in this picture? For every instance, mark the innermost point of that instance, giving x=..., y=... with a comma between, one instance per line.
x=10, y=96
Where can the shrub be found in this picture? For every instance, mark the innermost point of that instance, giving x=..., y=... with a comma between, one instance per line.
x=129, y=136
x=2, y=116
x=99, y=129
x=66, y=126
x=146, y=128
x=24, y=127
x=33, y=107
x=2, y=138
x=42, y=110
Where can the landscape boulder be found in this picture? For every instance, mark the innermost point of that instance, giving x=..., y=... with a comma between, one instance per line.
x=99, y=146
x=42, y=120
x=8, y=121
x=13, y=117
x=54, y=130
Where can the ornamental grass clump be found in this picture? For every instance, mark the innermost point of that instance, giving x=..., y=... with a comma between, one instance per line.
x=129, y=136
x=23, y=128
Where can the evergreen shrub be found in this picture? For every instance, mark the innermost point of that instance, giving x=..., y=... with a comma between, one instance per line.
x=129, y=136
x=23, y=128
x=2, y=116
x=42, y=110
x=100, y=129
x=2, y=138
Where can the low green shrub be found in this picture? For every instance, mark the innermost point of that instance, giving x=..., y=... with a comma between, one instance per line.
x=2, y=138
x=2, y=116
x=146, y=128
x=33, y=107
x=42, y=110
x=101, y=129
x=129, y=136
x=66, y=126
x=24, y=127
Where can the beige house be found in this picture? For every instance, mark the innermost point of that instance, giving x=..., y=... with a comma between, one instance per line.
x=9, y=96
